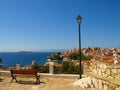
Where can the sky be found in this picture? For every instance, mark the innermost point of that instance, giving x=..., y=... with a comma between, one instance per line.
x=27, y=25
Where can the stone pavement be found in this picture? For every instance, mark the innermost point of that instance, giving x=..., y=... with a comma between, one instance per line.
x=48, y=83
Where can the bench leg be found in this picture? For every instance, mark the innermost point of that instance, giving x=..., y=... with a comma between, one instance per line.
x=13, y=77
x=38, y=79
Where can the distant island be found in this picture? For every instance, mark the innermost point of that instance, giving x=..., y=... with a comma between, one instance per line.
x=24, y=51
x=49, y=50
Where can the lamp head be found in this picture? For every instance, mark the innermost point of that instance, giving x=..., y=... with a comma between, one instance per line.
x=79, y=19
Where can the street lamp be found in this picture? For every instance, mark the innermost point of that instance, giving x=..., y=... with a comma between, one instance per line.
x=79, y=19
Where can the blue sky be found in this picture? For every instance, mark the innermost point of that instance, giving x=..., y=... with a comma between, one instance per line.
x=51, y=24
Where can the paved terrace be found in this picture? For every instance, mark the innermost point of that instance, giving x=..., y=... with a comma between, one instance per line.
x=49, y=82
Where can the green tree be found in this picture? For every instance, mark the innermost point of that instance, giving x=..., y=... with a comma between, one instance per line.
x=58, y=56
x=71, y=68
x=44, y=69
x=76, y=56
x=40, y=69
x=35, y=67
x=65, y=66
x=89, y=48
x=0, y=60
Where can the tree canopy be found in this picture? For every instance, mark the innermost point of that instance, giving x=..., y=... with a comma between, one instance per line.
x=0, y=60
x=76, y=56
x=57, y=56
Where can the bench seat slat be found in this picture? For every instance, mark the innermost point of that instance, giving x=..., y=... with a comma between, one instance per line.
x=25, y=72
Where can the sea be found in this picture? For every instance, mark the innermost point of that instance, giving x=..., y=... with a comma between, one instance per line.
x=10, y=59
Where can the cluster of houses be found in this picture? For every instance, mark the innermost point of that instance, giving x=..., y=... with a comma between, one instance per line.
x=109, y=55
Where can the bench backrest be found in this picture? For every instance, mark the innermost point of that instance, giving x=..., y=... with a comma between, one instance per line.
x=26, y=72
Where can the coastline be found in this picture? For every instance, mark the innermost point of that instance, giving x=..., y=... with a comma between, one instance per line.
x=10, y=59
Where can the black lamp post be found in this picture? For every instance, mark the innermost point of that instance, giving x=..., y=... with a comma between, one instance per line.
x=79, y=19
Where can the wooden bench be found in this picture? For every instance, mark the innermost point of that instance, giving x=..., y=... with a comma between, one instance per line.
x=15, y=73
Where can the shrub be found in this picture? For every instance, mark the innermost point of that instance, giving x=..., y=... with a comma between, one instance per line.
x=0, y=60
x=40, y=69
x=67, y=68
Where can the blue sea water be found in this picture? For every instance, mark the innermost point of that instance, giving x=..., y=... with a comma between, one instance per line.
x=10, y=59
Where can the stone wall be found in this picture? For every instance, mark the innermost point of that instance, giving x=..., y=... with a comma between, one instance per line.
x=103, y=84
x=105, y=76
x=110, y=71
